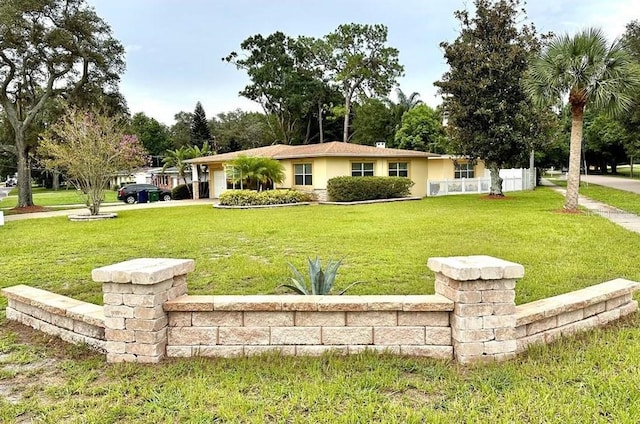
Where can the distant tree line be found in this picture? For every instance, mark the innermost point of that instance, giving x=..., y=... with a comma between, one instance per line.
x=55, y=54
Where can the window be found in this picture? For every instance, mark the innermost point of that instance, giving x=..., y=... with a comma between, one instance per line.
x=464, y=170
x=362, y=169
x=302, y=174
x=398, y=169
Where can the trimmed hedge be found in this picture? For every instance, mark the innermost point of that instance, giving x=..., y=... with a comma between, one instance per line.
x=353, y=189
x=260, y=198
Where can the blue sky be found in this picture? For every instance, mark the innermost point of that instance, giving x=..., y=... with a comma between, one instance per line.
x=174, y=47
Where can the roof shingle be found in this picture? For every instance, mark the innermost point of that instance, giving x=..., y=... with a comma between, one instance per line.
x=331, y=149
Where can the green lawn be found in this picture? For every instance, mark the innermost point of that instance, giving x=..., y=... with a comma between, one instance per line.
x=625, y=171
x=590, y=378
x=625, y=200
x=45, y=197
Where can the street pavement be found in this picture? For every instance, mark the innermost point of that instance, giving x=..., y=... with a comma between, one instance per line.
x=626, y=184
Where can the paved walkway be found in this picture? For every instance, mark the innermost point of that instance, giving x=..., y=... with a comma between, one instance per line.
x=110, y=207
x=624, y=219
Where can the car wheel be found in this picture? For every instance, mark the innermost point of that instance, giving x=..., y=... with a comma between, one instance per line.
x=130, y=199
x=166, y=197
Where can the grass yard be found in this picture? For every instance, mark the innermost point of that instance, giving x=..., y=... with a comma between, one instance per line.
x=625, y=171
x=625, y=200
x=589, y=378
x=45, y=197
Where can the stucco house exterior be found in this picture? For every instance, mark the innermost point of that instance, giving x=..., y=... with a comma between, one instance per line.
x=308, y=167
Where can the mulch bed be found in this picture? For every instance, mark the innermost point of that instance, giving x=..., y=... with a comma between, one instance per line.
x=569, y=211
x=27, y=209
x=494, y=197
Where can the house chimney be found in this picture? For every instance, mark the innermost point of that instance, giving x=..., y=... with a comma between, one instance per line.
x=381, y=144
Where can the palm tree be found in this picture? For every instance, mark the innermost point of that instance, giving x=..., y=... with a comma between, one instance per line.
x=405, y=104
x=197, y=152
x=251, y=171
x=177, y=158
x=271, y=172
x=592, y=74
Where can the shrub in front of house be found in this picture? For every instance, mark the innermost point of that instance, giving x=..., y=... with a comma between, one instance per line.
x=181, y=192
x=262, y=198
x=353, y=189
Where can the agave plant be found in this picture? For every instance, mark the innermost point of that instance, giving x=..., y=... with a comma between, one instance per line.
x=321, y=281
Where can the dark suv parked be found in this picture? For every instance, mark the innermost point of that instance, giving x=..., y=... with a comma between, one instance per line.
x=129, y=193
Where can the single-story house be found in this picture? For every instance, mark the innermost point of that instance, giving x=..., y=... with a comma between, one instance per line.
x=308, y=167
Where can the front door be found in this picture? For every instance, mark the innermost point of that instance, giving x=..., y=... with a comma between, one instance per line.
x=219, y=183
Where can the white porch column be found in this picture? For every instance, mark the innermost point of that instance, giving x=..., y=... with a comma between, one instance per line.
x=195, y=184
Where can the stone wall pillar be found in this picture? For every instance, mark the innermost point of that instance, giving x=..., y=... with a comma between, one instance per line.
x=484, y=317
x=133, y=295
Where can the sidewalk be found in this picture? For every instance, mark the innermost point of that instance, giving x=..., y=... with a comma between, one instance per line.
x=624, y=219
x=110, y=207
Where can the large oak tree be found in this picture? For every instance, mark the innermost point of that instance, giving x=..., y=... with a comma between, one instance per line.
x=49, y=49
x=282, y=79
x=486, y=103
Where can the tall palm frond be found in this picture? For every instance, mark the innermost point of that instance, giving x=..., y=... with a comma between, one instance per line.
x=591, y=73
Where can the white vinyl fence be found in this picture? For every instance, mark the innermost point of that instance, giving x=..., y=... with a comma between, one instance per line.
x=513, y=180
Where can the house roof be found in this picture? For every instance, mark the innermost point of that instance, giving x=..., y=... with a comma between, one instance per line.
x=331, y=149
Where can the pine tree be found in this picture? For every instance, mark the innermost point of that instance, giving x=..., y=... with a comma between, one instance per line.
x=200, y=132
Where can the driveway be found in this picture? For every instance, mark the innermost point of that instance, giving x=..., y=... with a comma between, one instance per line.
x=626, y=184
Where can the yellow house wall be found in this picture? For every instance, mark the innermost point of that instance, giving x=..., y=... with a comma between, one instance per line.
x=323, y=169
x=443, y=169
x=288, y=174
x=419, y=171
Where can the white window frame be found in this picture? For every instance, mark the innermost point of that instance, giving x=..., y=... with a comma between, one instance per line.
x=395, y=169
x=464, y=170
x=307, y=177
x=362, y=172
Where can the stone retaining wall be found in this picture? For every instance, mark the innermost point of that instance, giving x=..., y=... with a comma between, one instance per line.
x=309, y=325
x=72, y=320
x=472, y=318
x=546, y=320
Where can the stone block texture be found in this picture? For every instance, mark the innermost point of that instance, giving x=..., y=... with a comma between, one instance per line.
x=483, y=322
x=71, y=320
x=138, y=328
x=472, y=318
x=544, y=321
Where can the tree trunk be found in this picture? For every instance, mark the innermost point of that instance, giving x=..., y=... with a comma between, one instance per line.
x=496, y=180
x=532, y=170
x=575, y=150
x=631, y=165
x=614, y=167
x=347, y=106
x=55, y=177
x=25, y=195
x=306, y=136
x=320, y=121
